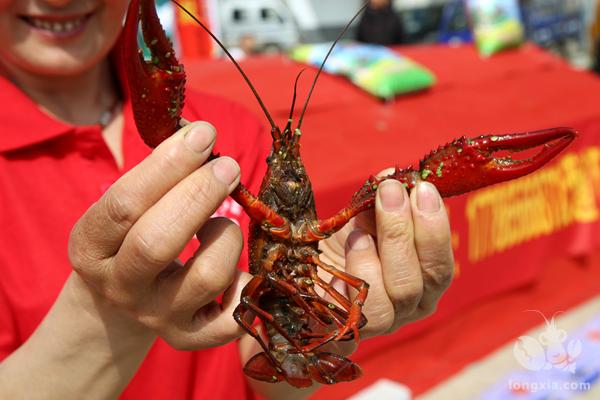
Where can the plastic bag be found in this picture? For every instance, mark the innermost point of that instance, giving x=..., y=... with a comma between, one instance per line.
x=375, y=69
x=496, y=24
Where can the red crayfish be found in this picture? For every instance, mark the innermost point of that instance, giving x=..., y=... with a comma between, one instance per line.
x=285, y=230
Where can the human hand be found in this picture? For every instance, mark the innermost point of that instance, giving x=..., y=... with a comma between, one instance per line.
x=403, y=250
x=125, y=246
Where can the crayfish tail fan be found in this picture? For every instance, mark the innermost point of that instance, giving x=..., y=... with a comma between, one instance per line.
x=260, y=367
x=332, y=368
x=293, y=370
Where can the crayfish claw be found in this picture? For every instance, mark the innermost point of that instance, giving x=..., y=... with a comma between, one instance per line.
x=156, y=86
x=467, y=164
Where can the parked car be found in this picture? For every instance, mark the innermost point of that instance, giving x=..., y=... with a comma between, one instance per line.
x=270, y=22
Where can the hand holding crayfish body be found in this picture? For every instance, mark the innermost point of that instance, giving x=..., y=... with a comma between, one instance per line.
x=403, y=249
x=125, y=247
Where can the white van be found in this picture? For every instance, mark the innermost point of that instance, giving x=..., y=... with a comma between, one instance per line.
x=269, y=22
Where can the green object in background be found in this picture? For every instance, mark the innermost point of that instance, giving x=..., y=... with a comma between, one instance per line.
x=388, y=78
x=496, y=25
x=166, y=13
x=375, y=69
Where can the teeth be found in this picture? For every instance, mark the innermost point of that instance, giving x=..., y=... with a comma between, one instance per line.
x=55, y=26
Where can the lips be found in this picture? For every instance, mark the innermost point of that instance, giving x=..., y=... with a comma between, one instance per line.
x=57, y=26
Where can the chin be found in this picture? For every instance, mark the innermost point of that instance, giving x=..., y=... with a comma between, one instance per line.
x=57, y=62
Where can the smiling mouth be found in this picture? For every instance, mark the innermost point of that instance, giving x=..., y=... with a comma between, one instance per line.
x=57, y=26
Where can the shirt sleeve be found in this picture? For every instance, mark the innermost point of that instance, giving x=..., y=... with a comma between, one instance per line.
x=8, y=330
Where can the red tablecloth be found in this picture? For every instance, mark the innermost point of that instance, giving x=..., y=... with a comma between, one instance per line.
x=504, y=236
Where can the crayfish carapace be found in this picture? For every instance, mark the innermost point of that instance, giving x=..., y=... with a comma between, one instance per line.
x=285, y=229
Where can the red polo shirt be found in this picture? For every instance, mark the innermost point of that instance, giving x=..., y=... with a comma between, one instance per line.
x=50, y=173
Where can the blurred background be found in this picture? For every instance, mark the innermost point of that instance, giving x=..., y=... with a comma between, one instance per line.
x=522, y=317
x=567, y=27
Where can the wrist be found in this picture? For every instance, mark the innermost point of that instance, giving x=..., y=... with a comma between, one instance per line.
x=94, y=348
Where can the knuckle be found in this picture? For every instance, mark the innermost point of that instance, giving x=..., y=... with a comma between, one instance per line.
x=150, y=248
x=80, y=263
x=213, y=276
x=232, y=230
x=77, y=255
x=214, y=341
x=160, y=324
x=407, y=300
x=179, y=340
x=203, y=193
x=183, y=345
x=439, y=275
x=171, y=157
x=439, y=237
x=427, y=310
x=232, y=239
x=398, y=230
x=80, y=254
x=119, y=208
x=433, y=232
x=382, y=324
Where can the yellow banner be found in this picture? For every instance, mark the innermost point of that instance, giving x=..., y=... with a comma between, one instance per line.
x=512, y=213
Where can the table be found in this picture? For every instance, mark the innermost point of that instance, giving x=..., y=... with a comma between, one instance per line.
x=503, y=236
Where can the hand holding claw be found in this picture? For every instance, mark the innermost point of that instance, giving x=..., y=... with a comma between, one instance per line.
x=403, y=249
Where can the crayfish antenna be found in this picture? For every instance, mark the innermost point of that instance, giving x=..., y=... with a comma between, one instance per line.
x=288, y=127
x=342, y=33
x=274, y=129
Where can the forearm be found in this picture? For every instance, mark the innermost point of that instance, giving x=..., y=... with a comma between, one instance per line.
x=83, y=349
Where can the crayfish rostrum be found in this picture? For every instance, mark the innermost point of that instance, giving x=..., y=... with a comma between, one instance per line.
x=285, y=230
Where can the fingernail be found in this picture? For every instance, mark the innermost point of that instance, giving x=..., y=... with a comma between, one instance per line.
x=428, y=198
x=200, y=138
x=358, y=240
x=392, y=195
x=226, y=170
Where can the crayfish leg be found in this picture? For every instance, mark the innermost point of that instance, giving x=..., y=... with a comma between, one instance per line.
x=355, y=317
x=252, y=290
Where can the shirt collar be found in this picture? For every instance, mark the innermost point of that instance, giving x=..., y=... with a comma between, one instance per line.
x=24, y=124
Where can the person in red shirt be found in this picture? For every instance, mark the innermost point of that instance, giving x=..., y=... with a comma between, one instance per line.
x=94, y=302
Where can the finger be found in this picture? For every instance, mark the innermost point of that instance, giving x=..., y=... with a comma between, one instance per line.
x=363, y=262
x=433, y=243
x=99, y=233
x=208, y=273
x=366, y=220
x=395, y=239
x=213, y=324
x=163, y=231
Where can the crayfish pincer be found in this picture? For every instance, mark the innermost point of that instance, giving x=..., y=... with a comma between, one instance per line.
x=300, y=311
